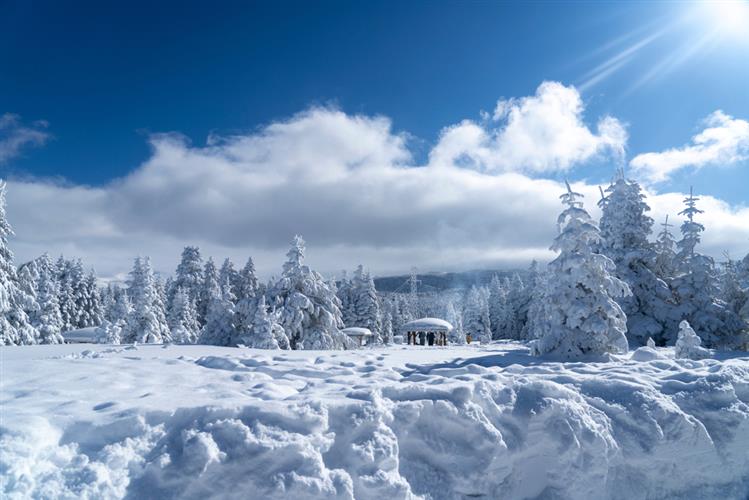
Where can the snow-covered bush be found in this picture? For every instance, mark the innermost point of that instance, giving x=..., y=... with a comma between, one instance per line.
x=107, y=333
x=688, y=344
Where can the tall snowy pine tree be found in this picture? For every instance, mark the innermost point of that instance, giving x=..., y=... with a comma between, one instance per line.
x=580, y=316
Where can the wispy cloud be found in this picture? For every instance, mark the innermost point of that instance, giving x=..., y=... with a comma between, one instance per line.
x=15, y=135
x=724, y=141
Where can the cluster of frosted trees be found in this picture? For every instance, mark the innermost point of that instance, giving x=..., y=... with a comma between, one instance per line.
x=612, y=285
x=203, y=304
x=42, y=298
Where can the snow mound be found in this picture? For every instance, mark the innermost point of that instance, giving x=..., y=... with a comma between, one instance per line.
x=456, y=423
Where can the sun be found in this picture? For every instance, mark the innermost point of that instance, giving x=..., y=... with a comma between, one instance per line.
x=729, y=18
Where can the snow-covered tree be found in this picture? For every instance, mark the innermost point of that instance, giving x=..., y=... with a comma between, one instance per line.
x=183, y=322
x=688, y=344
x=665, y=249
x=265, y=330
x=248, y=292
x=476, y=320
x=146, y=322
x=118, y=306
x=66, y=294
x=15, y=327
x=108, y=333
x=227, y=274
x=48, y=320
x=309, y=310
x=93, y=308
x=625, y=228
x=387, y=326
x=695, y=287
x=364, y=305
x=497, y=306
x=208, y=290
x=219, y=328
x=581, y=316
x=189, y=277
x=453, y=316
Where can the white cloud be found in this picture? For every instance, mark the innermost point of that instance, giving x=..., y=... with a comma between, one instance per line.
x=540, y=133
x=724, y=141
x=14, y=136
x=347, y=183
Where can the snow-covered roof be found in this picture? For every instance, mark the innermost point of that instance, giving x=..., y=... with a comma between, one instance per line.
x=81, y=335
x=427, y=325
x=356, y=331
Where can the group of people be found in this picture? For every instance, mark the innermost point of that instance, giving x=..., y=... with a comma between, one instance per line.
x=427, y=338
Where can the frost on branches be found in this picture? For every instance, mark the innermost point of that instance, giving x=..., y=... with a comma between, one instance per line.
x=581, y=316
x=688, y=344
x=309, y=309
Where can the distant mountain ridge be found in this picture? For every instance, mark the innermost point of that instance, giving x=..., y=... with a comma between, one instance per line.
x=431, y=282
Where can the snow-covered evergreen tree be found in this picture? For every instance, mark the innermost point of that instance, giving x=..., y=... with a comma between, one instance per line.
x=248, y=292
x=497, y=306
x=665, y=249
x=227, y=274
x=476, y=320
x=146, y=322
x=453, y=316
x=15, y=327
x=695, y=287
x=309, y=310
x=118, y=307
x=625, y=228
x=93, y=307
x=189, y=277
x=688, y=344
x=48, y=321
x=265, y=330
x=581, y=316
x=66, y=295
x=208, y=290
x=364, y=305
x=183, y=322
x=387, y=326
x=219, y=328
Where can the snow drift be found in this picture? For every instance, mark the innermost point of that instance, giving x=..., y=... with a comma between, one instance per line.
x=209, y=422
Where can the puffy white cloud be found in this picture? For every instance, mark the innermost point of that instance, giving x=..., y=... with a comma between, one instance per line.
x=15, y=135
x=347, y=183
x=540, y=133
x=724, y=141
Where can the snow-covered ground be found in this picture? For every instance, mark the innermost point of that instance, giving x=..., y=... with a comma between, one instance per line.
x=93, y=421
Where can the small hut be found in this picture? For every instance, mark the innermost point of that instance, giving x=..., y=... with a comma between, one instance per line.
x=361, y=335
x=427, y=331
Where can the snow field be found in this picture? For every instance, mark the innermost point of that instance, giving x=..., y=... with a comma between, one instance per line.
x=459, y=422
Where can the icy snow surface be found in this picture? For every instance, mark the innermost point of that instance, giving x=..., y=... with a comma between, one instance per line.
x=401, y=422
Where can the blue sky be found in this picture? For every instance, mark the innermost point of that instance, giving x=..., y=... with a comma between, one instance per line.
x=105, y=77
